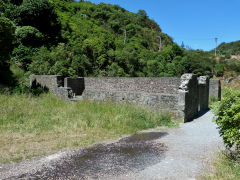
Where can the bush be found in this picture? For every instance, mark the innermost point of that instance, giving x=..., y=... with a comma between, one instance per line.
x=7, y=37
x=29, y=35
x=228, y=118
x=219, y=69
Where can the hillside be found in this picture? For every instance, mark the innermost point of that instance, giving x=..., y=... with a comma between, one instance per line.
x=232, y=48
x=228, y=60
x=84, y=39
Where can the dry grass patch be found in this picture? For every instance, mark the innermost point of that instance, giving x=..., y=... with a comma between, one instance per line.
x=224, y=167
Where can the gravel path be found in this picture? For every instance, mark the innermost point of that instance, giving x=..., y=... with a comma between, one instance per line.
x=179, y=153
x=190, y=148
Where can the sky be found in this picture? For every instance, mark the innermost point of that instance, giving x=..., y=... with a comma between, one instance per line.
x=194, y=22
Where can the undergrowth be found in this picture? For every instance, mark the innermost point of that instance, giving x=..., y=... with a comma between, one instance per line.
x=32, y=126
x=225, y=167
x=227, y=164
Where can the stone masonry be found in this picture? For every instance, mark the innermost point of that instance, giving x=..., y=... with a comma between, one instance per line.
x=203, y=87
x=182, y=97
x=215, y=88
x=52, y=83
x=188, y=96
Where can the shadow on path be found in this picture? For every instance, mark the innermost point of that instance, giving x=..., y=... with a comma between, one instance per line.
x=199, y=115
x=130, y=154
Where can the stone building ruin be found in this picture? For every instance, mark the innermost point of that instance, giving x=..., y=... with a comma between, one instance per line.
x=182, y=97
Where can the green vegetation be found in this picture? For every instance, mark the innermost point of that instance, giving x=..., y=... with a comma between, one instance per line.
x=231, y=65
x=212, y=101
x=229, y=60
x=84, y=39
x=31, y=126
x=224, y=167
x=232, y=48
x=228, y=116
x=227, y=164
x=6, y=45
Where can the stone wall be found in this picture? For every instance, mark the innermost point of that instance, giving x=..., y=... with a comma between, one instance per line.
x=215, y=88
x=178, y=96
x=158, y=93
x=146, y=85
x=50, y=82
x=188, y=97
x=160, y=102
x=203, y=87
x=64, y=93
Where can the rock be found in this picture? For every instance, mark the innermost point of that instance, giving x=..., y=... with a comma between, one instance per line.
x=228, y=80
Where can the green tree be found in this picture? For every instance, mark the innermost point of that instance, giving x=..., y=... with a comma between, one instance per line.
x=7, y=37
x=29, y=36
x=41, y=15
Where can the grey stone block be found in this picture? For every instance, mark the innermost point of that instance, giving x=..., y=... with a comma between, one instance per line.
x=188, y=97
x=203, y=90
x=215, y=88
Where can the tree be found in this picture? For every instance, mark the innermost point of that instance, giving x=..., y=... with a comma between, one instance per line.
x=7, y=37
x=16, y=2
x=142, y=13
x=29, y=36
x=182, y=45
x=41, y=15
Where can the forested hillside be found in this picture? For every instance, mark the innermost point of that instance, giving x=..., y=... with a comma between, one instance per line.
x=228, y=59
x=232, y=48
x=84, y=39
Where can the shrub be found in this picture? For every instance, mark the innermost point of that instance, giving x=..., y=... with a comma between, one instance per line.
x=228, y=118
x=7, y=37
x=29, y=35
x=219, y=69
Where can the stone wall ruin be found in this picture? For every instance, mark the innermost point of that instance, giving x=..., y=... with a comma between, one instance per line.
x=215, y=88
x=203, y=88
x=182, y=97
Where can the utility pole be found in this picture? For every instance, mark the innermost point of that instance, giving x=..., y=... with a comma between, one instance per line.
x=216, y=39
x=160, y=44
x=125, y=36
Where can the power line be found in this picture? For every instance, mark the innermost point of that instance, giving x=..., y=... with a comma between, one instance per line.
x=200, y=39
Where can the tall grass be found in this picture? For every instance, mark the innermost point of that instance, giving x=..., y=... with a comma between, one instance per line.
x=225, y=167
x=31, y=126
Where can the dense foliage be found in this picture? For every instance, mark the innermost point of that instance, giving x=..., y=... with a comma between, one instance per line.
x=232, y=48
x=7, y=37
x=84, y=39
x=228, y=118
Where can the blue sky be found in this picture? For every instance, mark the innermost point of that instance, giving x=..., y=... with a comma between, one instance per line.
x=195, y=22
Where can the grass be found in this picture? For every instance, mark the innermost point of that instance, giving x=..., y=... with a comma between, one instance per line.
x=225, y=167
x=213, y=99
x=33, y=126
